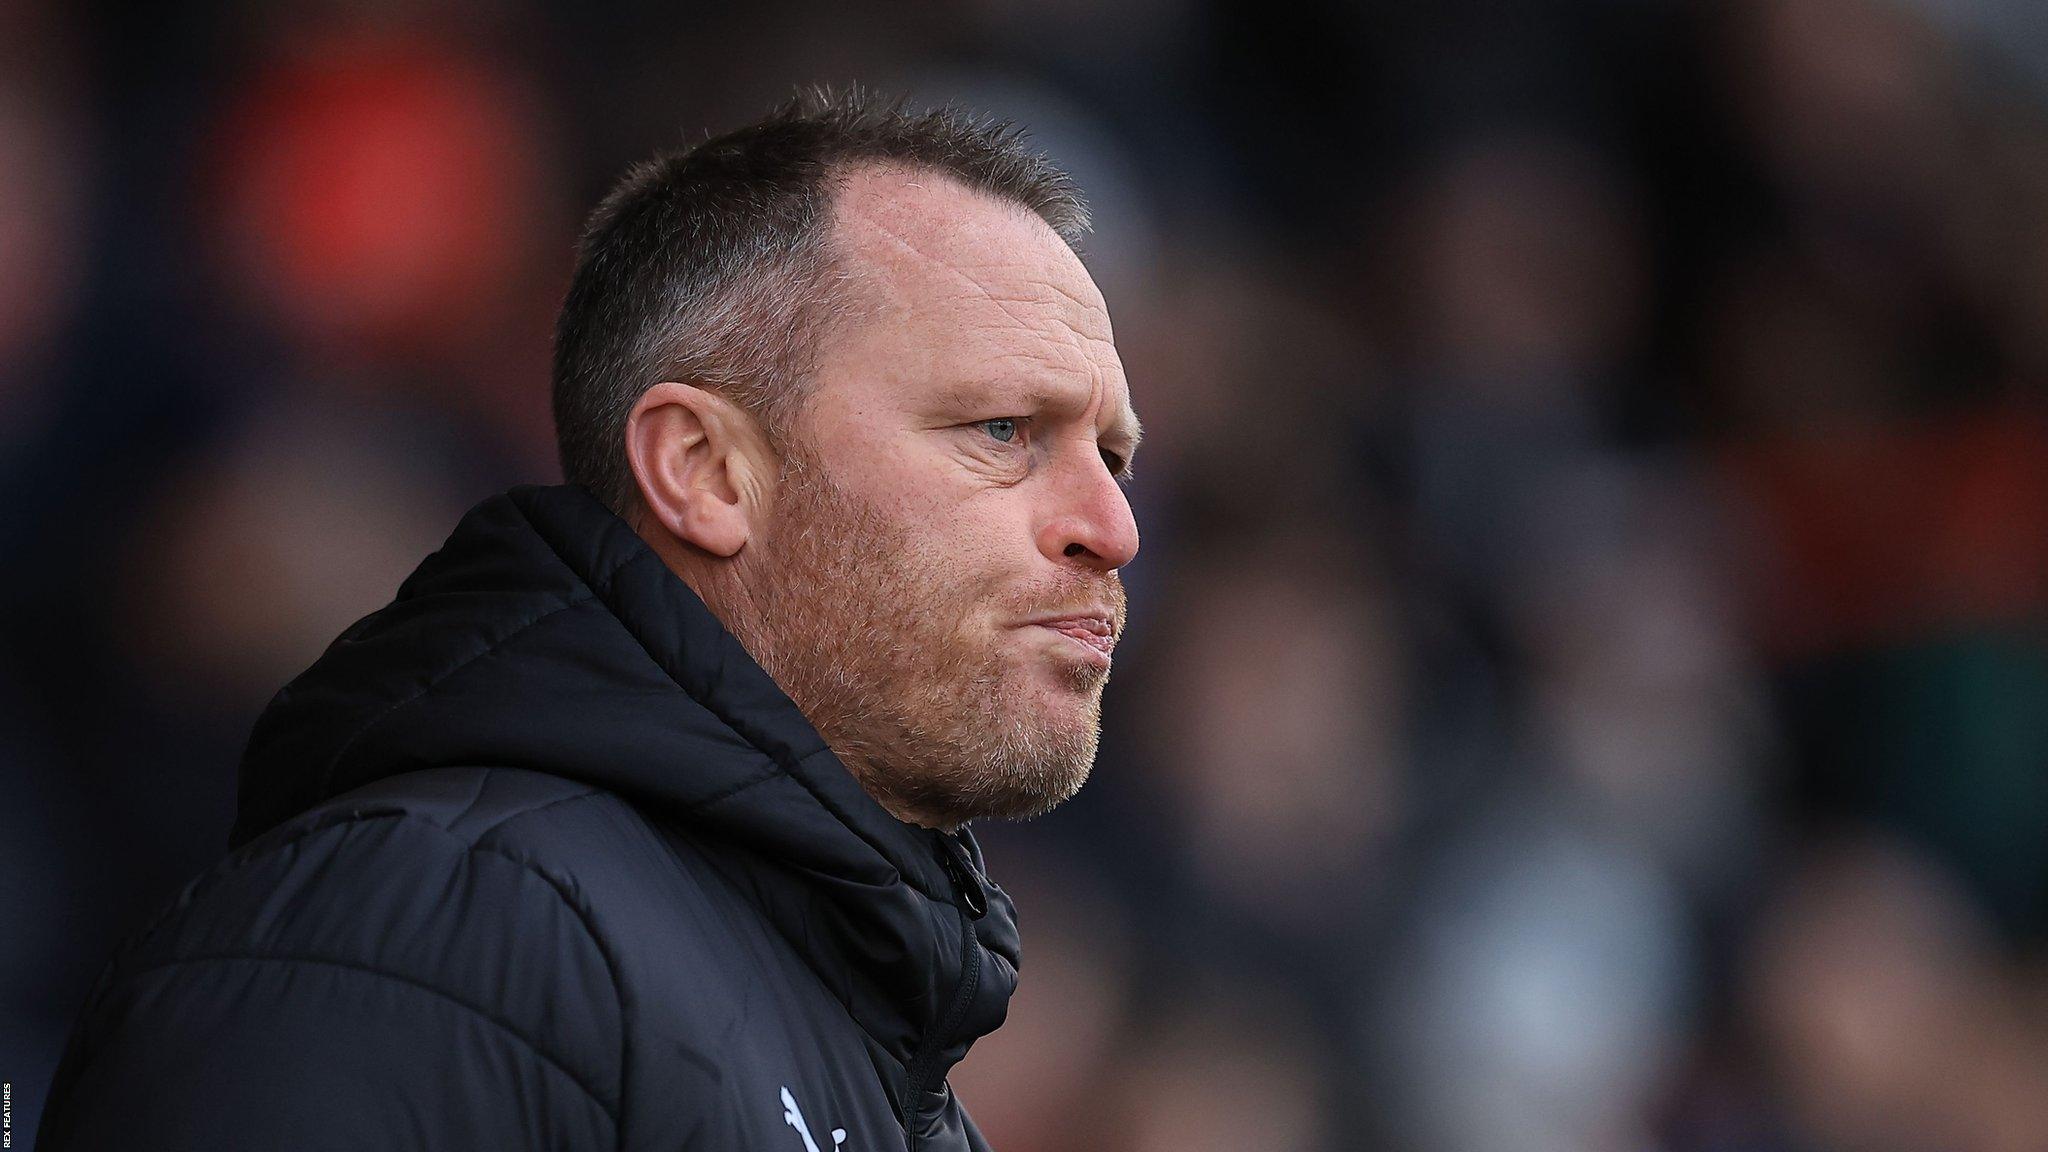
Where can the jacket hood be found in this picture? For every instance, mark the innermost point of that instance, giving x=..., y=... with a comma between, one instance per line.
x=546, y=635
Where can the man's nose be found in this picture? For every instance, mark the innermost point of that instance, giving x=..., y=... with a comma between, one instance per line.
x=1092, y=521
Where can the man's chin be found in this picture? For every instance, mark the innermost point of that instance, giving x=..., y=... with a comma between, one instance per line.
x=1052, y=786
x=1001, y=790
x=1065, y=755
x=1035, y=762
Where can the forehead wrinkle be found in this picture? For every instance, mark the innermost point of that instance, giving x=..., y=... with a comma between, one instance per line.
x=1021, y=308
x=898, y=218
x=865, y=215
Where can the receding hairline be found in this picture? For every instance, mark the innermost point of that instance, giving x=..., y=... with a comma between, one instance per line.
x=865, y=195
x=849, y=177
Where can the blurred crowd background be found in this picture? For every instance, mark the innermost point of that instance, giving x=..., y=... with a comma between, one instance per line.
x=1587, y=685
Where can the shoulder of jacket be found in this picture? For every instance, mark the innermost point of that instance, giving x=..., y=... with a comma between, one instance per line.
x=445, y=879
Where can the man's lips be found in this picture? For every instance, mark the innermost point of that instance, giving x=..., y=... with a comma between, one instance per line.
x=1097, y=632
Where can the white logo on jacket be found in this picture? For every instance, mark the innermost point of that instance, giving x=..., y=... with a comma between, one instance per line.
x=794, y=1117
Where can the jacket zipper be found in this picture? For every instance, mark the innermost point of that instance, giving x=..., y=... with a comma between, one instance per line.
x=973, y=904
x=966, y=880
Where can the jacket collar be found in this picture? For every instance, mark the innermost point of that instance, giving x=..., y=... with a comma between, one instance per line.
x=545, y=634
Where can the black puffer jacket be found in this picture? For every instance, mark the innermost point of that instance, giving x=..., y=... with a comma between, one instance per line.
x=538, y=857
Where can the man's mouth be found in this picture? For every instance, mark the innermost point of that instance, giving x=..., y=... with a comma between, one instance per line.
x=1096, y=633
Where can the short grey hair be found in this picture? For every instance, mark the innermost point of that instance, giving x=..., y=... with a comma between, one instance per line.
x=714, y=265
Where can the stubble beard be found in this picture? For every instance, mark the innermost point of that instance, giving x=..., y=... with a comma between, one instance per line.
x=867, y=631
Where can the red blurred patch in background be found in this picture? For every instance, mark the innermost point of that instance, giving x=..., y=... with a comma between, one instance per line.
x=380, y=191
x=1888, y=531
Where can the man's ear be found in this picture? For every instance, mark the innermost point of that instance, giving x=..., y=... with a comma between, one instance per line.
x=699, y=461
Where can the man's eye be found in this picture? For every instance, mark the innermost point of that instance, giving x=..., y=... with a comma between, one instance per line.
x=1004, y=429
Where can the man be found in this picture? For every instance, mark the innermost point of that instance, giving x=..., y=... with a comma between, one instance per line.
x=648, y=829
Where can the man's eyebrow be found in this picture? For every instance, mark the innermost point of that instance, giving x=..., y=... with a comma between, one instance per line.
x=971, y=393
x=1020, y=394
x=1125, y=432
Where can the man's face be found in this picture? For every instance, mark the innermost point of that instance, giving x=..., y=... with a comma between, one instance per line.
x=937, y=587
